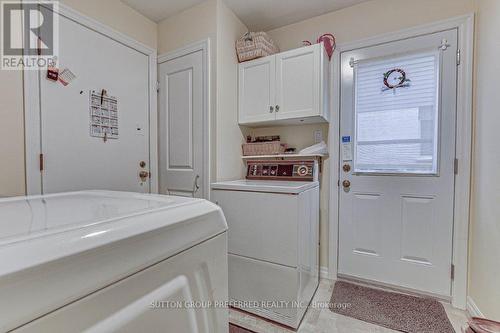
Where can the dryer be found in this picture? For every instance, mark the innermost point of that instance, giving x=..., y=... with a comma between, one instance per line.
x=273, y=238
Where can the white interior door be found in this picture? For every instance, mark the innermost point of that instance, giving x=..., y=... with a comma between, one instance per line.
x=398, y=113
x=181, y=126
x=73, y=159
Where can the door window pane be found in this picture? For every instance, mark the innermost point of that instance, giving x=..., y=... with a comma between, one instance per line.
x=396, y=114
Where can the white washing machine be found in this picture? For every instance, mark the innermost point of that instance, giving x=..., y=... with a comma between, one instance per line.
x=273, y=219
x=98, y=261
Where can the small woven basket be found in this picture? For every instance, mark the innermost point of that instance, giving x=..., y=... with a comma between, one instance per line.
x=263, y=148
x=253, y=45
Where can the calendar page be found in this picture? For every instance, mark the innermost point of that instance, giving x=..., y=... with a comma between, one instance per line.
x=103, y=116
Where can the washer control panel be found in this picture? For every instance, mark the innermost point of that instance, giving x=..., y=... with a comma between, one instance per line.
x=281, y=170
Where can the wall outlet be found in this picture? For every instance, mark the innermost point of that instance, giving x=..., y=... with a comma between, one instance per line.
x=318, y=136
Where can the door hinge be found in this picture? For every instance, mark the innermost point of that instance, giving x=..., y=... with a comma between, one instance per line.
x=41, y=162
x=458, y=57
x=452, y=272
x=455, y=166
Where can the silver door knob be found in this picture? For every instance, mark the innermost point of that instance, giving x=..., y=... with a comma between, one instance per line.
x=196, y=187
x=277, y=108
x=346, y=184
x=271, y=109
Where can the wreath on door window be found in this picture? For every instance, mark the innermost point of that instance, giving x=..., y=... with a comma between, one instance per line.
x=395, y=78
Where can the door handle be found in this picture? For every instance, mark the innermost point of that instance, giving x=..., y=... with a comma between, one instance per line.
x=346, y=184
x=196, y=187
x=271, y=109
x=277, y=107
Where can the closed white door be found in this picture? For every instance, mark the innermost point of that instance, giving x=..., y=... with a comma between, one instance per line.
x=73, y=159
x=398, y=113
x=181, y=126
x=298, y=83
x=257, y=90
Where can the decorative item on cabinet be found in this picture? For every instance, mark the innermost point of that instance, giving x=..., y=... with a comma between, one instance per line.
x=328, y=40
x=330, y=44
x=253, y=45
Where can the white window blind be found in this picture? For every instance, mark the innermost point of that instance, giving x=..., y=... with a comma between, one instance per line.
x=397, y=129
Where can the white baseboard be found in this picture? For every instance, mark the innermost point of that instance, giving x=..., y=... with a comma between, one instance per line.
x=472, y=308
x=323, y=273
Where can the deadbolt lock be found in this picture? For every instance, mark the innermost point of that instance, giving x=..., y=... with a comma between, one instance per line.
x=144, y=175
x=142, y=164
x=346, y=168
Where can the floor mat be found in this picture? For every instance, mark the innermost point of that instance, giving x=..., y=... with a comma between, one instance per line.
x=392, y=310
x=237, y=329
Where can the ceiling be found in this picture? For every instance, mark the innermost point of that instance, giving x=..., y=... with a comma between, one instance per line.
x=256, y=14
x=158, y=10
x=269, y=14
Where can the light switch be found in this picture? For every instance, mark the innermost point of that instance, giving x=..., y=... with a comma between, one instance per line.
x=318, y=136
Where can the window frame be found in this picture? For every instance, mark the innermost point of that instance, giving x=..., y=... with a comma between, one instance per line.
x=437, y=144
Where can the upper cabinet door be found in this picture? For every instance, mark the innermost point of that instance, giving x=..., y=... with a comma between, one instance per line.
x=298, y=83
x=257, y=90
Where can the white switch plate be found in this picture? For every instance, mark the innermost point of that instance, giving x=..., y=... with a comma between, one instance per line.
x=318, y=136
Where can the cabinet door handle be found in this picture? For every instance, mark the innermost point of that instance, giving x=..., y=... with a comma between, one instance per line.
x=271, y=109
x=277, y=108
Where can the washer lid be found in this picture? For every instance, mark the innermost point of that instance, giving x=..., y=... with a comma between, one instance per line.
x=28, y=217
x=265, y=186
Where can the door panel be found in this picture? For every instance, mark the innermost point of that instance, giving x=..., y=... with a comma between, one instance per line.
x=297, y=81
x=257, y=90
x=417, y=222
x=73, y=159
x=181, y=126
x=367, y=219
x=396, y=212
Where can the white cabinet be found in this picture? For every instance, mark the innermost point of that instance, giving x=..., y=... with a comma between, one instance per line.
x=257, y=90
x=287, y=88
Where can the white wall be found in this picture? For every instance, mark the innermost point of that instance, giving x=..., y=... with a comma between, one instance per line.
x=12, y=174
x=212, y=19
x=365, y=20
x=229, y=135
x=484, y=270
x=189, y=26
x=12, y=165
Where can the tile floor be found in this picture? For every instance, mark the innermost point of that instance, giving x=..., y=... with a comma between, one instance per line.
x=325, y=321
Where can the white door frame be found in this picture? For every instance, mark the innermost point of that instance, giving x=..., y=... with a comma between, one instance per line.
x=204, y=46
x=32, y=111
x=465, y=26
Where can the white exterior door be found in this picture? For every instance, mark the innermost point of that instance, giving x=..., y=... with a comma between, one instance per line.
x=73, y=159
x=181, y=126
x=257, y=90
x=398, y=113
x=298, y=82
